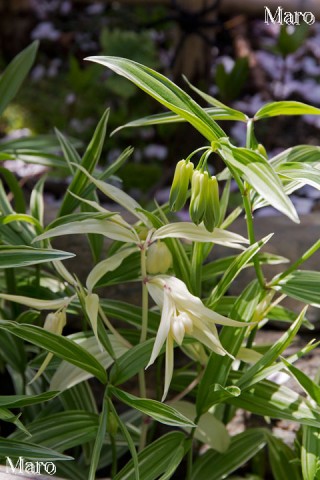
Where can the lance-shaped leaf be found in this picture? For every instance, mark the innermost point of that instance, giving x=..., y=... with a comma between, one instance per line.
x=285, y=107
x=23, y=256
x=301, y=153
x=260, y=175
x=118, y=196
x=302, y=285
x=68, y=375
x=15, y=74
x=165, y=92
x=209, y=429
x=255, y=372
x=157, y=410
x=301, y=172
x=31, y=451
x=217, y=113
x=266, y=398
x=89, y=161
x=105, y=227
x=107, y=265
x=19, y=401
x=154, y=459
x=198, y=233
x=243, y=447
x=60, y=346
x=310, y=452
x=37, y=303
x=92, y=308
x=282, y=460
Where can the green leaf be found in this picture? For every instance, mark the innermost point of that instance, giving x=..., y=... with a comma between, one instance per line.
x=310, y=453
x=88, y=162
x=274, y=109
x=19, y=401
x=302, y=285
x=218, y=367
x=154, y=459
x=12, y=256
x=216, y=113
x=15, y=189
x=308, y=385
x=282, y=460
x=260, y=175
x=300, y=154
x=256, y=372
x=50, y=431
x=215, y=466
x=60, y=346
x=271, y=400
x=158, y=411
x=67, y=375
x=131, y=362
x=99, y=440
x=303, y=173
x=165, y=92
x=15, y=449
x=219, y=266
x=37, y=202
x=209, y=429
x=69, y=152
x=233, y=271
x=15, y=73
x=231, y=112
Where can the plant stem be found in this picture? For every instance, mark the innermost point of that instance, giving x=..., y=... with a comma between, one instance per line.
x=143, y=337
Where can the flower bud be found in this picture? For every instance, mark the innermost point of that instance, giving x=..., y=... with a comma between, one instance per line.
x=55, y=322
x=159, y=258
x=180, y=185
x=112, y=424
x=198, y=196
x=212, y=213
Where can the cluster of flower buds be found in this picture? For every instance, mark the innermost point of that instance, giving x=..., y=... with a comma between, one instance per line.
x=204, y=203
x=180, y=185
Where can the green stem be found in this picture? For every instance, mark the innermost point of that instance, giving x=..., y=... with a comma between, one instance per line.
x=297, y=263
x=143, y=337
x=196, y=264
x=244, y=190
x=114, y=466
x=11, y=288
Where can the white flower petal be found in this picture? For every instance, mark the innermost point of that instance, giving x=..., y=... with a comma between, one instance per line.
x=206, y=337
x=164, y=327
x=169, y=366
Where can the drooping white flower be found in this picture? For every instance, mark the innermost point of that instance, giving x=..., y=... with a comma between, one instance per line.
x=183, y=313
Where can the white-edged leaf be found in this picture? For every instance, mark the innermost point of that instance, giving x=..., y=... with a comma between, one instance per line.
x=118, y=196
x=209, y=430
x=285, y=107
x=92, y=308
x=198, y=233
x=165, y=92
x=67, y=375
x=23, y=256
x=36, y=302
x=260, y=175
x=108, y=228
x=107, y=265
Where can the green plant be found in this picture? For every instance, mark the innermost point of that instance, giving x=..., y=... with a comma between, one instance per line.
x=173, y=263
